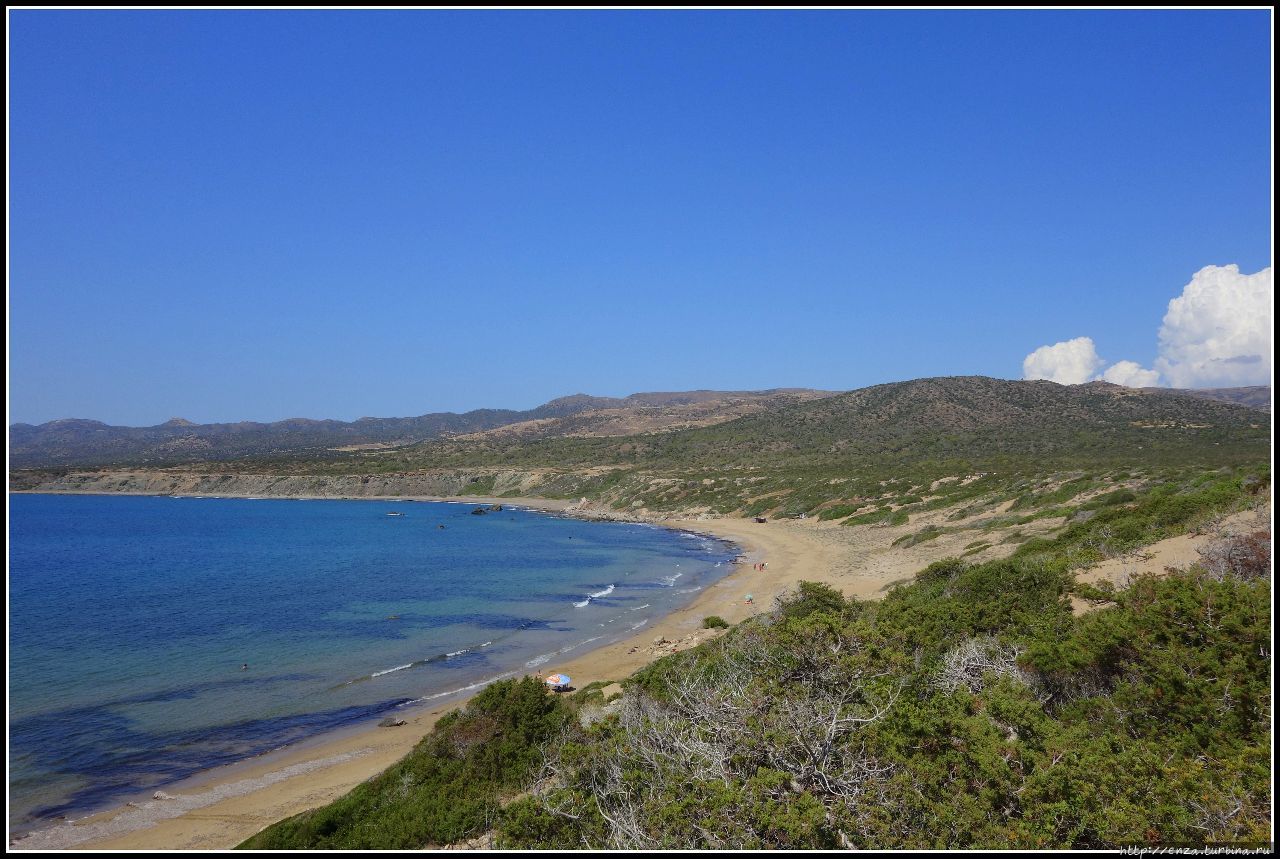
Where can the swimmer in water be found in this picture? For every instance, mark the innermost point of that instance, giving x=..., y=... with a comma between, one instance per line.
x=244, y=667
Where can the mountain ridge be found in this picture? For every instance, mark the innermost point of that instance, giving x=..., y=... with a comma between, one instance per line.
x=83, y=441
x=963, y=417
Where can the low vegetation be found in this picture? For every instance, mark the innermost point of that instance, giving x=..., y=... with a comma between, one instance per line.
x=969, y=708
x=449, y=788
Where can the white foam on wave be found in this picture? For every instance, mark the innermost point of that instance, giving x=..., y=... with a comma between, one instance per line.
x=547, y=657
x=457, y=652
x=475, y=685
x=639, y=624
x=596, y=595
x=389, y=670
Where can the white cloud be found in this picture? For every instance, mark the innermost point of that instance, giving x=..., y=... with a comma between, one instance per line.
x=1131, y=375
x=1218, y=332
x=1070, y=362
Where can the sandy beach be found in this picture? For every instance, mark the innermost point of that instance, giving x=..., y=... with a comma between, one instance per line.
x=223, y=807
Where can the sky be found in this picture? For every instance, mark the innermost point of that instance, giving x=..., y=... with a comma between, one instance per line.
x=255, y=215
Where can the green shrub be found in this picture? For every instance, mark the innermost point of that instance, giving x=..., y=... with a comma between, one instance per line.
x=839, y=511
x=970, y=708
x=929, y=532
x=447, y=789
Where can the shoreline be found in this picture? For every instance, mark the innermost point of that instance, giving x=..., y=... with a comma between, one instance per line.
x=220, y=807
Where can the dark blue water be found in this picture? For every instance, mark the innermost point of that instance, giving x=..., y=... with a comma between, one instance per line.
x=130, y=619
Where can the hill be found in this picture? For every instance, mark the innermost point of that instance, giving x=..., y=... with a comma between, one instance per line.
x=869, y=455
x=76, y=442
x=974, y=418
x=1254, y=396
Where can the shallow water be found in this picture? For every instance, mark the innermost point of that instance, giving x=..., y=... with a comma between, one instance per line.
x=131, y=618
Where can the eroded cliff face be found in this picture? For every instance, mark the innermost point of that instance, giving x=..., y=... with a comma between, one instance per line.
x=445, y=483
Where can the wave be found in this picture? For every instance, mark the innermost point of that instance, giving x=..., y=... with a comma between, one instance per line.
x=389, y=670
x=439, y=657
x=478, y=684
x=596, y=595
x=547, y=657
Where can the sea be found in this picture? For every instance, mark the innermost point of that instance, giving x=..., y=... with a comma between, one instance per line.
x=155, y=638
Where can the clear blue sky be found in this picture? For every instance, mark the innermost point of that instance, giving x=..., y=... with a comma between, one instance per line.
x=238, y=215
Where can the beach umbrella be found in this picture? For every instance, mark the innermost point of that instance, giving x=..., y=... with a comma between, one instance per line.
x=558, y=680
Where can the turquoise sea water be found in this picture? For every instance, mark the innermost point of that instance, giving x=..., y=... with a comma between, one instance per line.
x=130, y=619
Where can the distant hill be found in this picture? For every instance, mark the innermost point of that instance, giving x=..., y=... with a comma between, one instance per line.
x=965, y=417
x=77, y=442
x=649, y=413
x=1255, y=396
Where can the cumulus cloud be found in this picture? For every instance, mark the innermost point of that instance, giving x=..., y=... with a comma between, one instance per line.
x=1216, y=334
x=1067, y=363
x=1131, y=374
